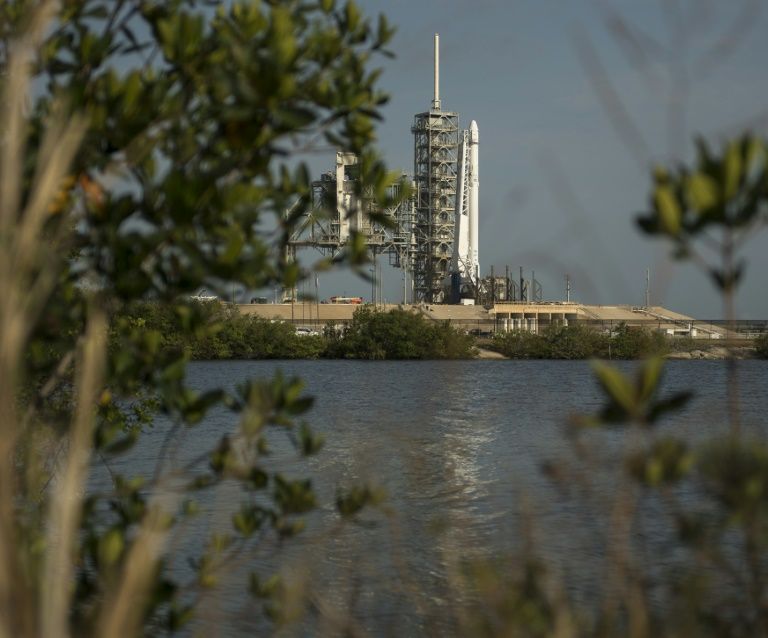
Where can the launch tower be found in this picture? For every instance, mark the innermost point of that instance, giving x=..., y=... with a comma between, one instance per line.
x=436, y=142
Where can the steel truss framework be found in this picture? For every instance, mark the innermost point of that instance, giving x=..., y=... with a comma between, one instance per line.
x=436, y=141
x=338, y=213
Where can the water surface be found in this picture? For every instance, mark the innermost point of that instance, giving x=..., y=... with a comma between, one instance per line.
x=458, y=446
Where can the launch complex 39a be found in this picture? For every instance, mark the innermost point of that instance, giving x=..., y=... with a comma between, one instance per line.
x=433, y=231
x=432, y=235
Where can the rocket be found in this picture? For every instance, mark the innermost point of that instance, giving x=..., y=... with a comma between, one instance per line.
x=465, y=266
x=463, y=278
x=474, y=198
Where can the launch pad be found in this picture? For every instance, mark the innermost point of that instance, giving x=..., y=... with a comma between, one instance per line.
x=432, y=234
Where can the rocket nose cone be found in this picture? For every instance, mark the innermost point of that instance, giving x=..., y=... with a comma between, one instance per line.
x=474, y=134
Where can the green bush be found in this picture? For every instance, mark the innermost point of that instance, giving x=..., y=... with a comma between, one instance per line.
x=579, y=342
x=573, y=342
x=224, y=333
x=397, y=334
x=629, y=342
x=554, y=342
x=518, y=344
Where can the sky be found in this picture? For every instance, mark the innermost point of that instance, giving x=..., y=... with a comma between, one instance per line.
x=576, y=101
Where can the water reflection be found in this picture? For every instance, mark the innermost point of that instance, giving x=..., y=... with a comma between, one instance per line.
x=458, y=448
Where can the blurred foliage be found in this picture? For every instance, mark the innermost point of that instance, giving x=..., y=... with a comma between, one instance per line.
x=683, y=525
x=712, y=499
x=723, y=192
x=199, y=117
x=397, y=334
x=710, y=495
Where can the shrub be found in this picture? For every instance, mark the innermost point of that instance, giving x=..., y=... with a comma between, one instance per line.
x=573, y=342
x=397, y=334
x=554, y=342
x=631, y=342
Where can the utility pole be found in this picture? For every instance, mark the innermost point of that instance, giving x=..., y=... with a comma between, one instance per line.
x=493, y=287
x=568, y=289
x=373, y=285
x=372, y=270
x=647, y=287
x=378, y=285
x=405, y=286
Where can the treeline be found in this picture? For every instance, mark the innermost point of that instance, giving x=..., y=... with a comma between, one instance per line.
x=372, y=334
x=581, y=342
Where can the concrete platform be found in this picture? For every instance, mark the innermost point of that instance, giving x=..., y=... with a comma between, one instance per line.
x=502, y=316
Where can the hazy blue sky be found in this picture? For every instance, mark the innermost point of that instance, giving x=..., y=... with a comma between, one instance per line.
x=560, y=179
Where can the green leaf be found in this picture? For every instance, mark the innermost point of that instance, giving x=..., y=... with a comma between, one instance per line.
x=732, y=170
x=617, y=386
x=111, y=545
x=755, y=152
x=649, y=377
x=671, y=404
x=309, y=442
x=265, y=589
x=351, y=502
x=294, y=497
x=703, y=192
x=179, y=616
x=670, y=215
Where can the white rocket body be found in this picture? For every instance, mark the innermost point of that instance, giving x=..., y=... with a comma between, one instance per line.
x=474, y=199
x=464, y=276
x=466, y=254
x=461, y=250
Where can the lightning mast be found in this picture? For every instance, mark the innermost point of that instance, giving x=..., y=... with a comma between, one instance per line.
x=436, y=141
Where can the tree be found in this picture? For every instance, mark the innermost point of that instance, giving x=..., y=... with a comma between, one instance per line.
x=150, y=148
x=635, y=342
x=397, y=334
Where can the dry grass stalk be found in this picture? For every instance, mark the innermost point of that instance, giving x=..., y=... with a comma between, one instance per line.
x=66, y=502
x=123, y=610
x=28, y=273
x=16, y=611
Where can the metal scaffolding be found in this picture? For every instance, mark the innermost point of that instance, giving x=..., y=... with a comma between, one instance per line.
x=338, y=213
x=435, y=160
x=436, y=141
x=420, y=240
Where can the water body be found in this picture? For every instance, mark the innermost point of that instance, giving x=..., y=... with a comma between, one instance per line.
x=458, y=446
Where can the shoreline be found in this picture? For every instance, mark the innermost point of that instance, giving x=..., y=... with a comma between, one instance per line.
x=715, y=353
